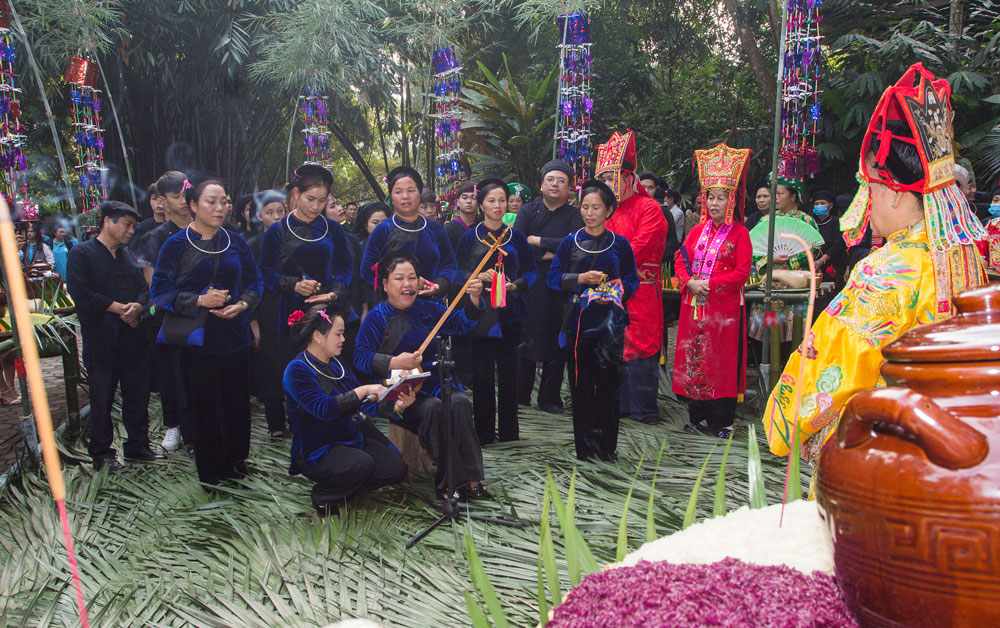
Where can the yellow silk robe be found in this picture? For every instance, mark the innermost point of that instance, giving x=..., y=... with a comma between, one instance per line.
x=889, y=292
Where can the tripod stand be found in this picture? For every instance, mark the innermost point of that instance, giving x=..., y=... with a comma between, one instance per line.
x=451, y=509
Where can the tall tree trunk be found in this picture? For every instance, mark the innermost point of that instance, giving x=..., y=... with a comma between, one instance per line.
x=774, y=21
x=356, y=155
x=956, y=23
x=758, y=64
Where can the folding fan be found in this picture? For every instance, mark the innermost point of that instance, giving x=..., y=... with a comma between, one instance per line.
x=784, y=246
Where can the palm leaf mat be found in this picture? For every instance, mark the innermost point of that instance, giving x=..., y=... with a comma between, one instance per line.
x=155, y=550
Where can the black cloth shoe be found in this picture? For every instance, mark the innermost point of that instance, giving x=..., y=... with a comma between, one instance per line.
x=696, y=428
x=550, y=409
x=113, y=464
x=650, y=420
x=477, y=492
x=144, y=455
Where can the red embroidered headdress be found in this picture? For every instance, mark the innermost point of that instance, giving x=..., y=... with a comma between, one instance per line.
x=617, y=154
x=923, y=103
x=723, y=167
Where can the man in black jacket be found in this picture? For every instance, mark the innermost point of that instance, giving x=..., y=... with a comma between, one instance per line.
x=110, y=294
x=545, y=222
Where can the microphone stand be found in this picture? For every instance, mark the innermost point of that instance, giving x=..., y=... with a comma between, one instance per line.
x=451, y=508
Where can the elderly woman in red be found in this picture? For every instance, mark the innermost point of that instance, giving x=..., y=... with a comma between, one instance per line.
x=713, y=265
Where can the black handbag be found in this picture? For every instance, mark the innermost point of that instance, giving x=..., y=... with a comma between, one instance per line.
x=186, y=331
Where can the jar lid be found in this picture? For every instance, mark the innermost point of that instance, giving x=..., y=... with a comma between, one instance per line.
x=972, y=335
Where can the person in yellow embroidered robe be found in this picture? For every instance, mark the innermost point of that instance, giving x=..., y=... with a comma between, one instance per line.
x=908, y=190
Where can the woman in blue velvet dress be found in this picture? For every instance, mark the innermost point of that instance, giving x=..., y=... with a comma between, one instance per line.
x=407, y=231
x=598, y=268
x=332, y=444
x=208, y=267
x=494, y=342
x=305, y=260
x=388, y=341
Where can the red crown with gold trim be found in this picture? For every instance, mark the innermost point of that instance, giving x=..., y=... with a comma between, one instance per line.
x=723, y=167
x=618, y=152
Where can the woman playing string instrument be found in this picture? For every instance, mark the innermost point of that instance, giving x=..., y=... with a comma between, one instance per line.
x=390, y=339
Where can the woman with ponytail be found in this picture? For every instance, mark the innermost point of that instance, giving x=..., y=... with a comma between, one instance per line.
x=332, y=444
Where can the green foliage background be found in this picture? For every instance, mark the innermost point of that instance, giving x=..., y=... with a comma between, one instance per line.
x=211, y=84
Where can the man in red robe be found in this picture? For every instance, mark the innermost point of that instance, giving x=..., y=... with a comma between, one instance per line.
x=640, y=220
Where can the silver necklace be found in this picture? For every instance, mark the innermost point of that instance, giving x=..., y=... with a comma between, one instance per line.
x=289, y=227
x=305, y=356
x=401, y=228
x=229, y=241
x=510, y=234
x=577, y=242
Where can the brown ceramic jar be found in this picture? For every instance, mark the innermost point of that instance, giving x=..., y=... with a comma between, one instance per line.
x=910, y=487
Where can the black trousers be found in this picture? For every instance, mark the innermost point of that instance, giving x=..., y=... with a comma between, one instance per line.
x=494, y=384
x=173, y=399
x=717, y=413
x=459, y=459
x=639, y=385
x=549, y=387
x=349, y=471
x=218, y=388
x=131, y=369
x=594, y=375
x=273, y=358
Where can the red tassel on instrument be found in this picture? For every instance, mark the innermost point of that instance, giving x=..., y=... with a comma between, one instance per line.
x=770, y=319
x=498, y=289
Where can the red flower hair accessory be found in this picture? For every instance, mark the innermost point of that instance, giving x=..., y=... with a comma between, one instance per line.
x=295, y=317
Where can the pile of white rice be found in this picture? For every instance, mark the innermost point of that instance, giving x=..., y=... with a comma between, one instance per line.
x=752, y=536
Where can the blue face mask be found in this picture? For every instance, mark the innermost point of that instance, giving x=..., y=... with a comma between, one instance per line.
x=821, y=210
x=995, y=210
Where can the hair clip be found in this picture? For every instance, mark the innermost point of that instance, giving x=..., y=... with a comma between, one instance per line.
x=325, y=316
x=186, y=185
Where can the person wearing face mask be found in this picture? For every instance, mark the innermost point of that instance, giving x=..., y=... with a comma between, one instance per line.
x=305, y=259
x=991, y=252
x=713, y=265
x=908, y=192
x=833, y=260
x=390, y=339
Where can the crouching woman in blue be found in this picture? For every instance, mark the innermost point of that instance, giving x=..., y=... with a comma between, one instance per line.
x=598, y=267
x=206, y=267
x=388, y=340
x=331, y=444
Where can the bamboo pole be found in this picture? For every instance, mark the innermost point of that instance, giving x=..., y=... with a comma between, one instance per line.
x=451, y=306
x=121, y=133
x=17, y=301
x=769, y=370
x=793, y=484
x=48, y=114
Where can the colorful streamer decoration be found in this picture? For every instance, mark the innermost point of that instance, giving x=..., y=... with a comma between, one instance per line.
x=801, y=113
x=576, y=103
x=13, y=165
x=87, y=134
x=314, y=114
x=447, y=122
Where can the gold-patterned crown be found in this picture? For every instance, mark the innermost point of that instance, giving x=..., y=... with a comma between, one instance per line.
x=617, y=153
x=721, y=167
